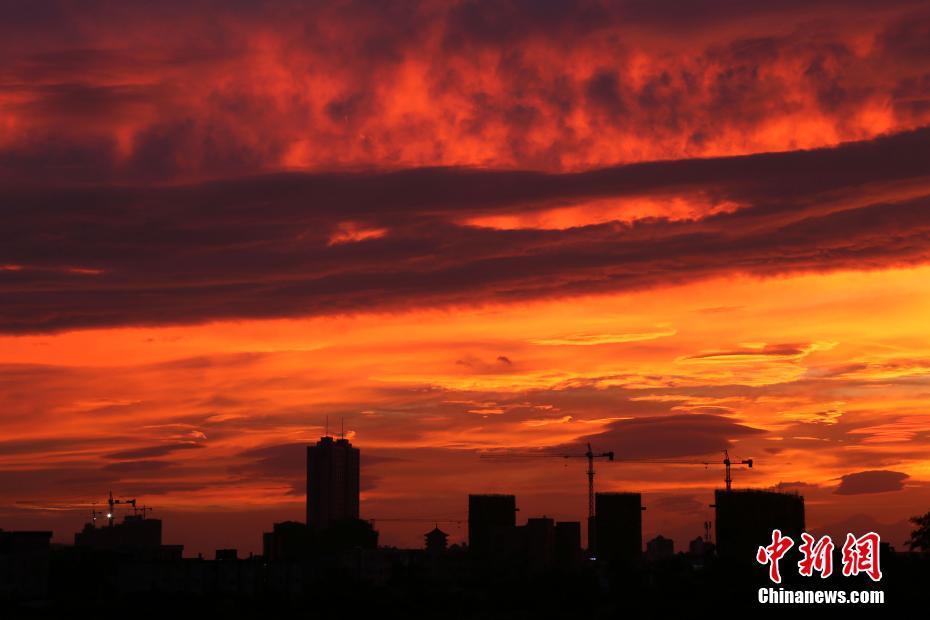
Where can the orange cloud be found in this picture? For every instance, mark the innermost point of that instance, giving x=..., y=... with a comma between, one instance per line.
x=199, y=91
x=480, y=226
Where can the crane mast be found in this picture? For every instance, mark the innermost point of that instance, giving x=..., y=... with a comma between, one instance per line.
x=728, y=479
x=111, y=503
x=590, y=455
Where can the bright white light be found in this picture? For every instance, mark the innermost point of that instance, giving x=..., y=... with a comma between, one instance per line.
x=109, y=515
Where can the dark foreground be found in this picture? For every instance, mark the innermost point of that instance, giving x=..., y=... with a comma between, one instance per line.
x=398, y=584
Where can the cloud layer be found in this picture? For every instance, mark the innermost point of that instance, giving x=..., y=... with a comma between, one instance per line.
x=665, y=228
x=876, y=481
x=261, y=247
x=210, y=88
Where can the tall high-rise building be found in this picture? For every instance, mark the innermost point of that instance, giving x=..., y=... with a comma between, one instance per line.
x=618, y=527
x=492, y=521
x=539, y=538
x=568, y=545
x=332, y=482
x=745, y=520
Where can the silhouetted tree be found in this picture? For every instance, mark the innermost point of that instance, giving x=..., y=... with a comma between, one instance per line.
x=920, y=537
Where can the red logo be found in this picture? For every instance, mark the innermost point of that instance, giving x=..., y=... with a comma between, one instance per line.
x=773, y=553
x=818, y=556
x=860, y=555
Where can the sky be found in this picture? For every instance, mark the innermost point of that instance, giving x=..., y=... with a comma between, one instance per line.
x=461, y=228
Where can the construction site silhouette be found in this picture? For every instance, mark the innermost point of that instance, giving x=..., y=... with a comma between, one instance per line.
x=332, y=565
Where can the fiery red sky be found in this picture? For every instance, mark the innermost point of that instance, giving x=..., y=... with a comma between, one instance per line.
x=667, y=228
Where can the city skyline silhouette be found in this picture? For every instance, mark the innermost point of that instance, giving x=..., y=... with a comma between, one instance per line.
x=124, y=556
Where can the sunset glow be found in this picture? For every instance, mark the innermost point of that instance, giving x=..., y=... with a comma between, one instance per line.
x=667, y=234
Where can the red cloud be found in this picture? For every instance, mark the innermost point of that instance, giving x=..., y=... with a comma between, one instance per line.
x=207, y=89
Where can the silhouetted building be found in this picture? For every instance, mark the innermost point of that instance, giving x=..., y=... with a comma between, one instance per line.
x=568, y=554
x=698, y=546
x=24, y=542
x=436, y=541
x=745, y=520
x=289, y=541
x=332, y=482
x=701, y=551
x=227, y=555
x=345, y=534
x=659, y=548
x=24, y=564
x=592, y=537
x=133, y=534
x=539, y=538
x=492, y=520
x=618, y=525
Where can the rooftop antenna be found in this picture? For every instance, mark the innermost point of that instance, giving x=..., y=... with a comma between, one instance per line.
x=327, y=426
x=343, y=422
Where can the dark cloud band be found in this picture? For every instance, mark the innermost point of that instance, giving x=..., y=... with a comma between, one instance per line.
x=259, y=247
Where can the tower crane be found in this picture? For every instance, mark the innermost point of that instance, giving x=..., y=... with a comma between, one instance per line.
x=589, y=454
x=457, y=522
x=727, y=463
x=728, y=479
x=141, y=509
x=111, y=503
